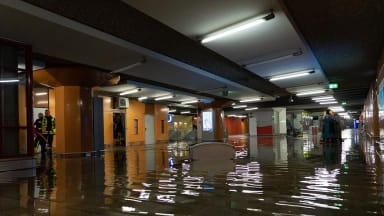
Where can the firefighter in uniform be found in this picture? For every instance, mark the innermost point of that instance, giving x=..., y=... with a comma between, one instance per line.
x=38, y=127
x=49, y=128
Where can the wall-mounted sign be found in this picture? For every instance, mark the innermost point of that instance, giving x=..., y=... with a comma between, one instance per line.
x=169, y=118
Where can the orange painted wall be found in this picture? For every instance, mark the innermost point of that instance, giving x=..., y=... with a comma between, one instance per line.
x=161, y=113
x=22, y=120
x=136, y=110
x=236, y=126
x=108, y=120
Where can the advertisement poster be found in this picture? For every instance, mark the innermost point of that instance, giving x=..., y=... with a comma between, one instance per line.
x=207, y=121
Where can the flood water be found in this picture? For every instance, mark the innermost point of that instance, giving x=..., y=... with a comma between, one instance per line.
x=270, y=176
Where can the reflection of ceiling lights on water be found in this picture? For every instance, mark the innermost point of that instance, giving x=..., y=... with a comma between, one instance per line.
x=246, y=178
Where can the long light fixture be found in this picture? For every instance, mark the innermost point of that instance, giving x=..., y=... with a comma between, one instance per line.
x=292, y=75
x=130, y=91
x=237, y=27
x=142, y=98
x=239, y=106
x=310, y=92
x=164, y=97
x=250, y=100
x=251, y=108
x=9, y=80
x=190, y=102
x=185, y=112
x=328, y=102
x=336, y=108
x=322, y=97
x=325, y=100
x=142, y=61
x=41, y=93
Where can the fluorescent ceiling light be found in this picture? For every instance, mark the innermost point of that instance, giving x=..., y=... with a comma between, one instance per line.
x=142, y=98
x=292, y=75
x=252, y=108
x=250, y=100
x=310, y=92
x=322, y=97
x=9, y=80
x=164, y=97
x=190, y=102
x=172, y=110
x=336, y=108
x=41, y=102
x=185, y=112
x=328, y=102
x=239, y=106
x=237, y=27
x=130, y=91
x=41, y=93
x=325, y=100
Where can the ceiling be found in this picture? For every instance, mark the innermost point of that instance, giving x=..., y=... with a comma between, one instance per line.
x=155, y=45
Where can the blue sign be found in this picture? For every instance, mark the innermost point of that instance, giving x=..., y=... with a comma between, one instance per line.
x=169, y=118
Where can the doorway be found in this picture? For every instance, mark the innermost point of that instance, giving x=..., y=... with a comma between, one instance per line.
x=119, y=129
x=149, y=129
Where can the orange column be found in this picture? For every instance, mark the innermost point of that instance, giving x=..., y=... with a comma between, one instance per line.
x=73, y=120
x=70, y=102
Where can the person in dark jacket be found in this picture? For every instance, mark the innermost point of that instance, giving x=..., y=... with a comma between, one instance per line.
x=39, y=140
x=49, y=128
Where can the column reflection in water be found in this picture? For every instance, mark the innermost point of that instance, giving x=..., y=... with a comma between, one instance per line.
x=109, y=177
x=253, y=147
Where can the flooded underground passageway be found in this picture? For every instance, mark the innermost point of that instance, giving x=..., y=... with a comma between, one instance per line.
x=270, y=176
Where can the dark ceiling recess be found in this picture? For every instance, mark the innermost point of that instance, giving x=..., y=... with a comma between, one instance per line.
x=347, y=38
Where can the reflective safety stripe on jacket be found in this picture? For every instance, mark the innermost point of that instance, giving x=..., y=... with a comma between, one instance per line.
x=45, y=124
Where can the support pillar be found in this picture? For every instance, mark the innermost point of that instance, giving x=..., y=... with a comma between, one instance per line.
x=70, y=102
x=212, y=122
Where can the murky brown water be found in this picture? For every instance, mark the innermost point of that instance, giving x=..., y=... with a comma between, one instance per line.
x=271, y=176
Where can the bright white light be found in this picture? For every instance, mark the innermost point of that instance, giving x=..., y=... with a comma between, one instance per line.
x=130, y=91
x=142, y=98
x=252, y=108
x=190, y=102
x=291, y=75
x=172, y=110
x=127, y=209
x=9, y=81
x=233, y=29
x=310, y=92
x=250, y=100
x=41, y=102
x=323, y=98
x=164, y=98
x=239, y=106
x=185, y=112
x=41, y=93
x=328, y=102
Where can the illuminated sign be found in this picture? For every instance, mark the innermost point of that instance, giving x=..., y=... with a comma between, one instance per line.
x=207, y=121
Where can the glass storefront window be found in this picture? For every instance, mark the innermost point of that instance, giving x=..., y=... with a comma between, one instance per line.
x=14, y=113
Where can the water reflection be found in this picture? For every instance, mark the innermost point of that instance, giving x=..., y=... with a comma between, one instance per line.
x=270, y=176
